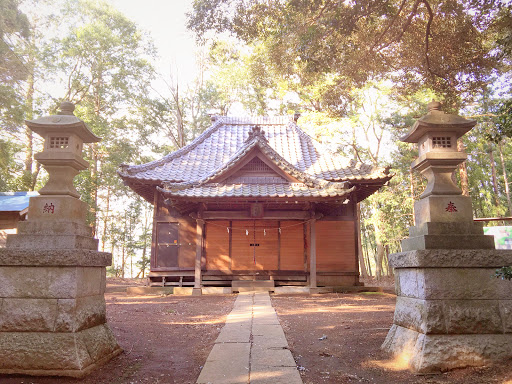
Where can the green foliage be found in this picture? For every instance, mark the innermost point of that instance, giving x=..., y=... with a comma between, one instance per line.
x=504, y=273
x=503, y=122
x=445, y=46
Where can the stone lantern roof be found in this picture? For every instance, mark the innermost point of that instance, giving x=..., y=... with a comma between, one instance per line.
x=438, y=121
x=64, y=122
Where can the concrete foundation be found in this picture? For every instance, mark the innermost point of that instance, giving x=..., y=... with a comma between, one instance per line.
x=52, y=312
x=451, y=312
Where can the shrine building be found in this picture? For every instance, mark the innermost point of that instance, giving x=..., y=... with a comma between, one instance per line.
x=254, y=199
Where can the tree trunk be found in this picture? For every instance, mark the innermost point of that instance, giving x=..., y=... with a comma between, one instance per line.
x=379, y=255
x=105, y=221
x=360, y=256
x=28, y=184
x=493, y=175
x=411, y=179
x=463, y=171
x=505, y=178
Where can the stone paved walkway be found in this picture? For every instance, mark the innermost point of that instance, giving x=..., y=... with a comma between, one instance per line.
x=251, y=348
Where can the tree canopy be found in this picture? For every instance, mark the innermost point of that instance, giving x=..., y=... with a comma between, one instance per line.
x=451, y=46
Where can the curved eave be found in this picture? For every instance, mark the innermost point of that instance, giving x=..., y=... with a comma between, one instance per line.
x=366, y=188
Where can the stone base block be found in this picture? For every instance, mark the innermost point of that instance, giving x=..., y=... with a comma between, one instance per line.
x=143, y=291
x=462, y=228
x=454, y=316
x=444, y=209
x=53, y=241
x=57, y=208
x=216, y=290
x=448, y=241
x=58, y=228
x=183, y=291
x=437, y=353
x=56, y=354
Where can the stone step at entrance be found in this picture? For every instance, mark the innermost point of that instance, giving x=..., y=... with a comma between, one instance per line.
x=253, y=285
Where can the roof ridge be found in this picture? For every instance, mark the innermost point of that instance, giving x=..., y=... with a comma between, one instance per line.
x=304, y=177
x=173, y=155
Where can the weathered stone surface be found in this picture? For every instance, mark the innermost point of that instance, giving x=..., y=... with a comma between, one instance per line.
x=420, y=315
x=42, y=350
x=51, y=282
x=21, y=315
x=452, y=258
x=434, y=209
x=506, y=315
x=90, y=281
x=54, y=257
x=431, y=228
x=451, y=284
x=60, y=228
x=82, y=313
x=472, y=316
x=35, y=282
x=99, y=340
x=54, y=241
x=435, y=353
x=66, y=208
x=448, y=241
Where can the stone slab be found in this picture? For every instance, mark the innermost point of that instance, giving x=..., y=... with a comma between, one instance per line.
x=273, y=357
x=53, y=241
x=51, y=282
x=59, y=228
x=430, y=228
x=227, y=363
x=235, y=333
x=451, y=284
x=448, y=241
x=253, y=289
x=149, y=291
x=454, y=316
x=437, y=353
x=275, y=375
x=65, y=208
x=54, y=257
x=183, y=291
x=24, y=352
x=436, y=209
x=252, y=283
x=452, y=258
x=216, y=290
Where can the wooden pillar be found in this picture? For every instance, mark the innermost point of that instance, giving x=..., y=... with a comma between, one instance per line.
x=312, y=254
x=199, y=254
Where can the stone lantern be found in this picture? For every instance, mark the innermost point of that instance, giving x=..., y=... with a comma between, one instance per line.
x=442, y=201
x=64, y=135
x=52, y=277
x=450, y=311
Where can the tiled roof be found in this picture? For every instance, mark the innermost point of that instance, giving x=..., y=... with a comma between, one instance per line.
x=229, y=139
x=295, y=190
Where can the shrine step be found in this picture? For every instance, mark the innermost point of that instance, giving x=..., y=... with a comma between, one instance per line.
x=253, y=285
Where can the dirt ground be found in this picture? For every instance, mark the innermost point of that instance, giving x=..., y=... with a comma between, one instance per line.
x=167, y=339
x=336, y=338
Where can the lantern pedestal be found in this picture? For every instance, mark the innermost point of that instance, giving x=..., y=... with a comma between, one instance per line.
x=451, y=312
x=52, y=278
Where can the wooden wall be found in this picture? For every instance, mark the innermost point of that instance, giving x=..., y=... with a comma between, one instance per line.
x=335, y=246
x=185, y=257
x=232, y=251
